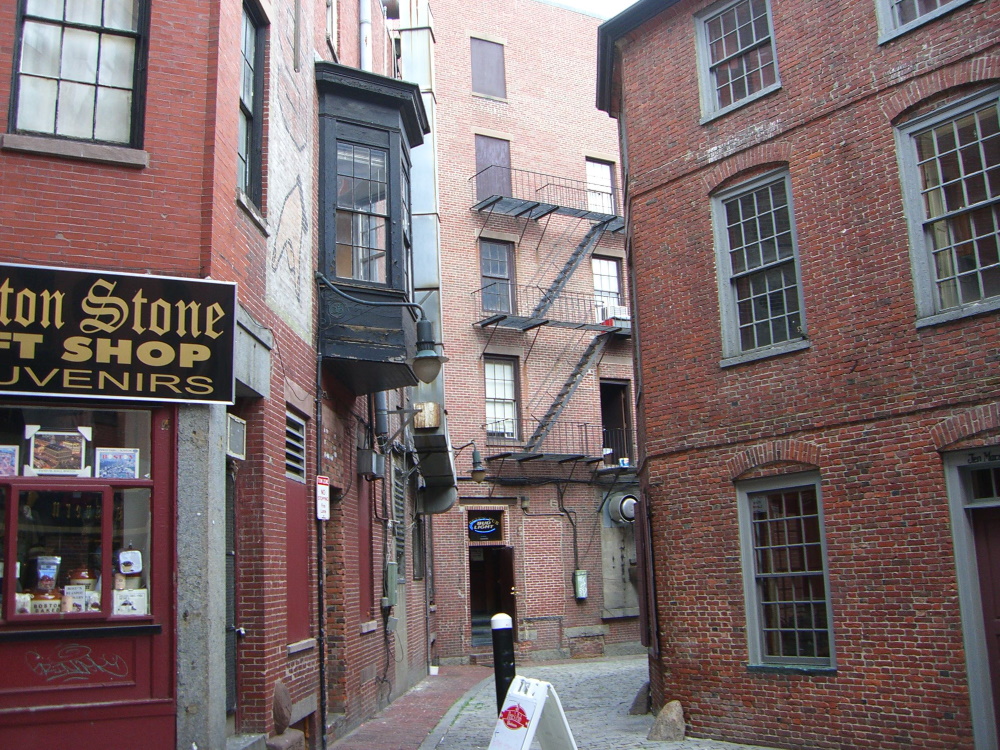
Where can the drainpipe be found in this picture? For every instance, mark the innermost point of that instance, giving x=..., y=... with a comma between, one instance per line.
x=365, y=17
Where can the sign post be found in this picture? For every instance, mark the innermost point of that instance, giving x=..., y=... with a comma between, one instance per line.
x=532, y=711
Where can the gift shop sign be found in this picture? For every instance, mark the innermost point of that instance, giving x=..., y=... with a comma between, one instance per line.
x=119, y=336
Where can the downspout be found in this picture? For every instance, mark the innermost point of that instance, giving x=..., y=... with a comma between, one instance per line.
x=320, y=556
x=365, y=22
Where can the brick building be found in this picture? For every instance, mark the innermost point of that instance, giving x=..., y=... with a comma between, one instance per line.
x=538, y=337
x=812, y=201
x=175, y=376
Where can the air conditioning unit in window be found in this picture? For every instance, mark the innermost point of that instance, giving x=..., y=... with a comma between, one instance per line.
x=236, y=437
x=614, y=315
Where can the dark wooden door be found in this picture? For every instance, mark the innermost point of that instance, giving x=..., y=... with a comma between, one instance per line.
x=986, y=523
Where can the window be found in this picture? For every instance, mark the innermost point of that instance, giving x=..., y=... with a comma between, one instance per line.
x=600, y=187
x=950, y=162
x=492, y=167
x=78, y=70
x=607, y=288
x=788, y=607
x=736, y=54
x=501, y=398
x=251, y=138
x=362, y=212
x=899, y=16
x=758, y=280
x=488, y=74
x=76, y=510
x=496, y=263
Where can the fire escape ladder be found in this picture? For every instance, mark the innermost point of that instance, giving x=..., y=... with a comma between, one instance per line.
x=582, y=250
x=589, y=358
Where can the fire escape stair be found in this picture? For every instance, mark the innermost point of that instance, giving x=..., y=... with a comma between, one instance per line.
x=587, y=361
x=582, y=250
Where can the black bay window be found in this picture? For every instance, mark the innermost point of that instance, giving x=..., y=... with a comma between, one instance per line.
x=368, y=124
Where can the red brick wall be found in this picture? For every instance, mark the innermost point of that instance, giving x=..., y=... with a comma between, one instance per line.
x=552, y=124
x=864, y=396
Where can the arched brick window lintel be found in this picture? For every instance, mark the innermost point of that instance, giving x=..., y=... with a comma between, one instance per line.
x=789, y=452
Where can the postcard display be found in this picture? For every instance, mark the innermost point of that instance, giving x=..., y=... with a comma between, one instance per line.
x=74, y=513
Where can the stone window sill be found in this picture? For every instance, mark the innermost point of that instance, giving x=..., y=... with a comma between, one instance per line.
x=80, y=150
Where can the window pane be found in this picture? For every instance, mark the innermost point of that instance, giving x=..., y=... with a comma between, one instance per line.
x=84, y=11
x=40, y=49
x=740, y=51
x=45, y=8
x=58, y=544
x=79, y=58
x=789, y=566
x=76, y=110
x=36, y=105
x=117, y=61
x=962, y=243
x=121, y=14
x=112, y=121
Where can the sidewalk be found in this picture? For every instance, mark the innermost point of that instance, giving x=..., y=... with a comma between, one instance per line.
x=406, y=722
x=456, y=710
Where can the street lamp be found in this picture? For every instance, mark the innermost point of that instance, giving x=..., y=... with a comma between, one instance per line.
x=426, y=364
x=478, y=469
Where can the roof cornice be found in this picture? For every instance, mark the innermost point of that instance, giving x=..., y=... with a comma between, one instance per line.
x=608, y=34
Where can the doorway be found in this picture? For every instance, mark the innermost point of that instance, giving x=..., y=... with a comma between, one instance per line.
x=986, y=528
x=491, y=590
x=616, y=421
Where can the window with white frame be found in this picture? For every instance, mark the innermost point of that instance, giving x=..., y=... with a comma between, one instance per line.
x=608, y=289
x=736, y=54
x=79, y=70
x=899, y=16
x=785, y=578
x=501, y=398
x=950, y=162
x=250, y=144
x=600, y=186
x=759, y=289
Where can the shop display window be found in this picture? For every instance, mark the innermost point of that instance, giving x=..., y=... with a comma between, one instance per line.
x=75, y=514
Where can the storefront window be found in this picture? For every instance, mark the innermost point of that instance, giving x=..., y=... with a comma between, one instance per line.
x=75, y=509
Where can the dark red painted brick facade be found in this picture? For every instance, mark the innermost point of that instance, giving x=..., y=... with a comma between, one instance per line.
x=872, y=405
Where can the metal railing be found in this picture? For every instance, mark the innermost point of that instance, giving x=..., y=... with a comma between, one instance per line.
x=561, y=438
x=496, y=180
x=618, y=446
x=503, y=298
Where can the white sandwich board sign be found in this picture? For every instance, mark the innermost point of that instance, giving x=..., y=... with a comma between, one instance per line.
x=532, y=711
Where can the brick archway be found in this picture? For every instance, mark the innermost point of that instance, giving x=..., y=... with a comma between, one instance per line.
x=777, y=451
x=966, y=425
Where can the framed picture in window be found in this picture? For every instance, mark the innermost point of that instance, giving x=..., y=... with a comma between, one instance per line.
x=117, y=463
x=58, y=452
x=9, y=455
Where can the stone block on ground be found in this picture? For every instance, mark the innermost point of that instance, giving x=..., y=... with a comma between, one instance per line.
x=669, y=724
x=640, y=706
x=290, y=739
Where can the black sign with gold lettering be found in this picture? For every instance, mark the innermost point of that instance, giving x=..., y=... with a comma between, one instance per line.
x=89, y=334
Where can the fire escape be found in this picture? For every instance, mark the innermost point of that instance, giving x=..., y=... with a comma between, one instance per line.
x=545, y=445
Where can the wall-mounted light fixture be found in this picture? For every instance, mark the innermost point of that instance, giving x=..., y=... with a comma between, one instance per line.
x=426, y=364
x=478, y=468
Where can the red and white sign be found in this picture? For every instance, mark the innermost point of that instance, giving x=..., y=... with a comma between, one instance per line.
x=323, y=498
x=532, y=711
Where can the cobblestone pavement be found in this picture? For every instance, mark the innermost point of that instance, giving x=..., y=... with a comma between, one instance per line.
x=595, y=695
